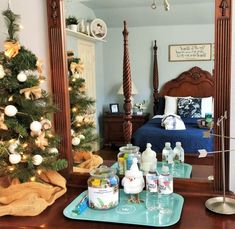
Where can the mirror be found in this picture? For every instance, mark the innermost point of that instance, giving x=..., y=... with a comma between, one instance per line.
x=55, y=18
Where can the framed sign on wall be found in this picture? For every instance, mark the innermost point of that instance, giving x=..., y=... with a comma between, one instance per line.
x=190, y=52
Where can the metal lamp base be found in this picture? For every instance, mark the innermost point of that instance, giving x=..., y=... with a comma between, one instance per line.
x=219, y=206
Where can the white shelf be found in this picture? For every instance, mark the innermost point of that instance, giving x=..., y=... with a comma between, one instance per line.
x=82, y=36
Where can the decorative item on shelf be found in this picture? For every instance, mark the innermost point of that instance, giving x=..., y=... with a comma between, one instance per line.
x=82, y=26
x=134, y=91
x=140, y=107
x=88, y=28
x=98, y=29
x=72, y=23
x=221, y=204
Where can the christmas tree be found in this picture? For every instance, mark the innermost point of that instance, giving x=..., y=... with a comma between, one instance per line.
x=82, y=110
x=27, y=143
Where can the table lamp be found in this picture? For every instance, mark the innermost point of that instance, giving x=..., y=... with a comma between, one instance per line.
x=134, y=91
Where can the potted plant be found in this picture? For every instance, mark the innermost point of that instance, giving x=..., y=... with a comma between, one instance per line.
x=140, y=107
x=72, y=23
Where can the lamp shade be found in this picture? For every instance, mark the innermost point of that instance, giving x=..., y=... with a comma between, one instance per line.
x=133, y=89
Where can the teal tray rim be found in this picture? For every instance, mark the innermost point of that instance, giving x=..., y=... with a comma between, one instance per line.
x=69, y=214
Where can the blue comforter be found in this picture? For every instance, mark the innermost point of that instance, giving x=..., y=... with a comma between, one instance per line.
x=191, y=139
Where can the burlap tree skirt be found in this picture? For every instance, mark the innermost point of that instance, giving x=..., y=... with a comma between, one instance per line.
x=30, y=198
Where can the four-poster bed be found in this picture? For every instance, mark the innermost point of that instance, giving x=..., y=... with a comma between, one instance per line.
x=195, y=83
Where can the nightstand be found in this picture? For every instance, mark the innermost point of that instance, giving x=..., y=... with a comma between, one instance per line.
x=113, y=130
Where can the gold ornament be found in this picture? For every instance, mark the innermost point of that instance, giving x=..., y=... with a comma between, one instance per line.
x=46, y=124
x=3, y=126
x=41, y=141
x=11, y=48
x=32, y=92
x=82, y=88
x=78, y=68
x=39, y=66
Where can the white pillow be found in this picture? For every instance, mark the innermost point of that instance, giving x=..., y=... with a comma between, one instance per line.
x=207, y=106
x=171, y=104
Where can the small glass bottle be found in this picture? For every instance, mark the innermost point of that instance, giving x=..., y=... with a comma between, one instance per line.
x=151, y=199
x=103, y=192
x=167, y=154
x=165, y=191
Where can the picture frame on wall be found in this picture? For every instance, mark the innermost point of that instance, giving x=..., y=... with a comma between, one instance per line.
x=114, y=108
x=190, y=52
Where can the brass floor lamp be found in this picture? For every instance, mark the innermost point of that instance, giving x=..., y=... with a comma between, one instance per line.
x=222, y=204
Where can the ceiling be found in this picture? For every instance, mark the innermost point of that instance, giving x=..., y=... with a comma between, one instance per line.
x=139, y=12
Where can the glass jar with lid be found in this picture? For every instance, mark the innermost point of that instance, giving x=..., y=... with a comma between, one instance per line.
x=103, y=192
x=125, y=157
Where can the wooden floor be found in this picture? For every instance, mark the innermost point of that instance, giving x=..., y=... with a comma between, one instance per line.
x=108, y=153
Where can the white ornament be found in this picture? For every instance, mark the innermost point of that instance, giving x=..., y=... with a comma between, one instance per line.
x=75, y=141
x=37, y=159
x=12, y=147
x=10, y=110
x=14, y=158
x=2, y=73
x=76, y=75
x=53, y=151
x=81, y=136
x=22, y=77
x=35, y=126
x=46, y=124
x=72, y=132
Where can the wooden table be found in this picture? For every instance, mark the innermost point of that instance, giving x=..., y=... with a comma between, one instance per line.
x=194, y=216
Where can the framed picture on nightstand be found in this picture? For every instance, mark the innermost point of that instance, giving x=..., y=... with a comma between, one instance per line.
x=114, y=108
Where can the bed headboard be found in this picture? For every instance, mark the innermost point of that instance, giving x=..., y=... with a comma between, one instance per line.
x=194, y=82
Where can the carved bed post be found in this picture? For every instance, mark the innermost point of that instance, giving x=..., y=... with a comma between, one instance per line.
x=127, y=125
x=155, y=78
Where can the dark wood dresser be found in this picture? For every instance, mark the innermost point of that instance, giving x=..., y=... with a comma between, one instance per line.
x=113, y=130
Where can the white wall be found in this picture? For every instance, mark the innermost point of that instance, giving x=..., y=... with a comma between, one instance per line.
x=141, y=57
x=34, y=35
x=232, y=109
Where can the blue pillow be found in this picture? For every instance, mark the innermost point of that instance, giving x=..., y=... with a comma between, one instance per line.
x=189, y=107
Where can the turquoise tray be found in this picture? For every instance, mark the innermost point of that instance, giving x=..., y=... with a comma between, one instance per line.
x=183, y=171
x=128, y=213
